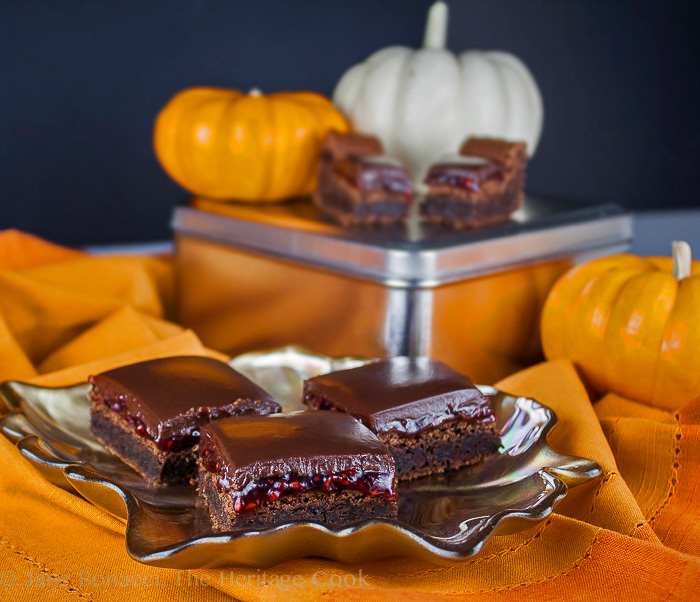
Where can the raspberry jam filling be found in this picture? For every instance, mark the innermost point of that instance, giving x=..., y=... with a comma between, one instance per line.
x=413, y=427
x=270, y=489
x=319, y=403
x=455, y=176
x=187, y=436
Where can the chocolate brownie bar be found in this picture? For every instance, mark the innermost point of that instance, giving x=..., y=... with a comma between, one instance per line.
x=311, y=466
x=358, y=184
x=429, y=416
x=483, y=185
x=150, y=413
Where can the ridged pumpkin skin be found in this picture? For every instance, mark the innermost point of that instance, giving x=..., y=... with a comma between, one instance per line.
x=630, y=326
x=226, y=145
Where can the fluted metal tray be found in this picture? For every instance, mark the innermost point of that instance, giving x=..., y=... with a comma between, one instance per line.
x=442, y=518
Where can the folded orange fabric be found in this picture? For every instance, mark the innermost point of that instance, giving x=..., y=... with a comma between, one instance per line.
x=632, y=535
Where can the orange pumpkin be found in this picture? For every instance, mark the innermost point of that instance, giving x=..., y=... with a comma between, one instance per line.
x=631, y=325
x=223, y=144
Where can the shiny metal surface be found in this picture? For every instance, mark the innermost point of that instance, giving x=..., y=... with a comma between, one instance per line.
x=418, y=256
x=235, y=301
x=252, y=277
x=442, y=518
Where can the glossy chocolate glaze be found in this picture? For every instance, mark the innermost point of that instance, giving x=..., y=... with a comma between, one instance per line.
x=168, y=400
x=254, y=456
x=376, y=173
x=401, y=394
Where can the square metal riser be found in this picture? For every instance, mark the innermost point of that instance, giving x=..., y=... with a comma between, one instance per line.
x=237, y=301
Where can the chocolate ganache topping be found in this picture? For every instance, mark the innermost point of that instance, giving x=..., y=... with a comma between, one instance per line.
x=168, y=400
x=401, y=394
x=263, y=458
x=371, y=173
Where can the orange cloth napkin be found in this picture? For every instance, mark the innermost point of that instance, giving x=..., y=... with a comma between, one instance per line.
x=632, y=535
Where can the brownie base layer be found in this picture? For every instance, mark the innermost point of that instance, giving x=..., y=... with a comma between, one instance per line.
x=450, y=445
x=156, y=466
x=447, y=208
x=331, y=509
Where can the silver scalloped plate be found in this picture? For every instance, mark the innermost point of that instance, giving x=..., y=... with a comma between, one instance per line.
x=443, y=518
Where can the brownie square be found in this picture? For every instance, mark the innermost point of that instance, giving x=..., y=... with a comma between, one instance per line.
x=483, y=185
x=150, y=413
x=359, y=185
x=311, y=466
x=431, y=417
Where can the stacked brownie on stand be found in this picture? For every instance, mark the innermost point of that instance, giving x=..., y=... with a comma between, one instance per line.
x=481, y=186
x=360, y=185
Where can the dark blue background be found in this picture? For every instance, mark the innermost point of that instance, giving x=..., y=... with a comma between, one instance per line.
x=83, y=81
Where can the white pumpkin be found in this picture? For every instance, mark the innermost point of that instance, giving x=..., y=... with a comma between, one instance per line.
x=424, y=103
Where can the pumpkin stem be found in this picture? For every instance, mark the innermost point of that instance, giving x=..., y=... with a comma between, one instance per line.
x=436, y=27
x=255, y=92
x=681, y=259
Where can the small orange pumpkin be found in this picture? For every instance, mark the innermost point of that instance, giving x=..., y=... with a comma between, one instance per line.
x=631, y=325
x=223, y=144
